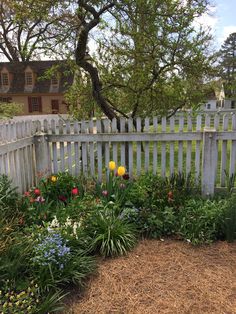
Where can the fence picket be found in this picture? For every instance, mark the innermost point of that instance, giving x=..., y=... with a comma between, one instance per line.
x=224, y=151
x=69, y=150
x=198, y=151
x=180, y=145
x=77, y=150
x=233, y=149
x=54, y=148
x=122, y=145
x=130, y=130
x=172, y=149
x=62, y=147
x=99, y=151
x=106, y=124
x=189, y=147
x=91, y=150
x=163, y=149
x=84, y=146
x=114, y=145
x=155, y=127
x=146, y=145
x=139, y=152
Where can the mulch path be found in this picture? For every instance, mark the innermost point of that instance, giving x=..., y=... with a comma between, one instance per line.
x=163, y=277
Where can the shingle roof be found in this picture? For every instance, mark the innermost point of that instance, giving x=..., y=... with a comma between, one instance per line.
x=17, y=69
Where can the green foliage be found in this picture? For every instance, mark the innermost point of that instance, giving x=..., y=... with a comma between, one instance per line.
x=230, y=219
x=58, y=188
x=227, y=65
x=8, y=195
x=56, y=264
x=200, y=221
x=111, y=234
x=8, y=110
x=115, y=189
x=151, y=191
x=49, y=244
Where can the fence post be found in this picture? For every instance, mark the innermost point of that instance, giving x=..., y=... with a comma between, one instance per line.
x=209, y=161
x=42, y=155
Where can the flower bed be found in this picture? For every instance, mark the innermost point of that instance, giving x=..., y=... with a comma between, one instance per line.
x=50, y=236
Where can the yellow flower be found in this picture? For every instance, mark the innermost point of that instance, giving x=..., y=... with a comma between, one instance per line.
x=112, y=165
x=53, y=178
x=121, y=171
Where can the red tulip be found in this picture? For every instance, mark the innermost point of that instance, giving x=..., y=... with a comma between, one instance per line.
x=62, y=198
x=126, y=176
x=37, y=192
x=27, y=194
x=75, y=191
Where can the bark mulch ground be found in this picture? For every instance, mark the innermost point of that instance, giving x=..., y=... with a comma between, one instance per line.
x=163, y=277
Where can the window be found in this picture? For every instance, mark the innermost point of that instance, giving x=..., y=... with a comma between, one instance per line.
x=54, y=81
x=208, y=106
x=55, y=105
x=6, y=99
x=5, y=79
x=35, y=104
x=29, y=78
x=233, y=104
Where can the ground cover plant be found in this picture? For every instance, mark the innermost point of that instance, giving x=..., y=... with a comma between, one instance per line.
x=50, y=236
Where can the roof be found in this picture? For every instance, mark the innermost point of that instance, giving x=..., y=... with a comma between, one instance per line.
x=41, y=86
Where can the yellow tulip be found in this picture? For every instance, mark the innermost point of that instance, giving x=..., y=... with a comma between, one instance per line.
x=112, y=165
x=53, y=178
x=121, y=171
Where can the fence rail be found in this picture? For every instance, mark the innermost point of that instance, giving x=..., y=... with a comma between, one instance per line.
x=203, y=145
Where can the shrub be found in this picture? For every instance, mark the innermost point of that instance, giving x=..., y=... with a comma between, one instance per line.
x=111, y=234
x=151, y=191
x=29, y=300
x=8, y=197
x=200, y=221
x=230, y=219
x=55, y=263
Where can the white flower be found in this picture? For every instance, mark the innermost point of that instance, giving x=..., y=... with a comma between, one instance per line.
x=68, y=222
x=54, y=223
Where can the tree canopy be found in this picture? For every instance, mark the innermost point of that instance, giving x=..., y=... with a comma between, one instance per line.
x=150, y=55
x=228, y=64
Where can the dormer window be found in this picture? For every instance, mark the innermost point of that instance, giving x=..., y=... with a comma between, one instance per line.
x=5, y=79
x=28, y=78
x=54, y=81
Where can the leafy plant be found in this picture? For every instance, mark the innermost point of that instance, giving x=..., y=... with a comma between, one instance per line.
x=8, y=197
x=201, y=221
x=56, y=264
x=230, y=219
x=111, y=234
x=9, y=110
x=117, y=186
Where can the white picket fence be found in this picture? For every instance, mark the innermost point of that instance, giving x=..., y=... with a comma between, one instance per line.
x=203, y=145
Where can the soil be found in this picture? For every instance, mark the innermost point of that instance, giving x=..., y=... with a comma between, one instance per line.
x=167, y=276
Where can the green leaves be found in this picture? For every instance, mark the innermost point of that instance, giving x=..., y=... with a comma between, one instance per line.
x=111, y=235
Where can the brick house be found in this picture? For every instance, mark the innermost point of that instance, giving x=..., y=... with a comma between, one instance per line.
x=23, y=83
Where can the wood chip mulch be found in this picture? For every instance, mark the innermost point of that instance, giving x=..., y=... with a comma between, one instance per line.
x=163, y=277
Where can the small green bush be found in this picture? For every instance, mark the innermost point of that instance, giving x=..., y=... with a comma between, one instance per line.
x=230, y=219
x=200, y=221
x=8, y=197
x=111, y=234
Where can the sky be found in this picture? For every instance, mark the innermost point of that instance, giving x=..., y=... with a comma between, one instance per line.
x=222, y=20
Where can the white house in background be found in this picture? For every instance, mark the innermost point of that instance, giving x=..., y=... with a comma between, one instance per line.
x=229, y=104
x=215, y=96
